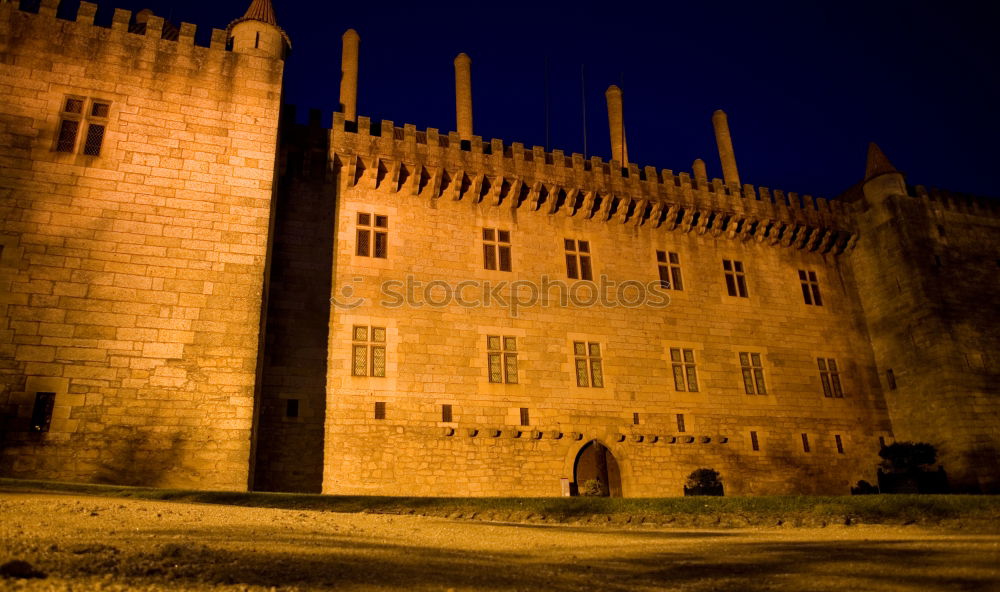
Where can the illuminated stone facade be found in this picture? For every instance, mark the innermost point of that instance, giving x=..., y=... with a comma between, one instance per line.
x=407, y=346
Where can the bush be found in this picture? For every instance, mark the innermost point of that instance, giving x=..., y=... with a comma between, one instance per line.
x=864, y=488
x=703, y=482
x=592, y=488
x=907, y=458
x=704, y=478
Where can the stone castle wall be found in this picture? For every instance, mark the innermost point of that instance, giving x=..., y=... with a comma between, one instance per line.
x=132, y=280
x=132, y=284
x=290, y=449
x=438, y=198
x=926, y=272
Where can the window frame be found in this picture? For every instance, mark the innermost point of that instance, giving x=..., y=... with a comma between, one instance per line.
x=668, y=264
x=752, y=372
x=579, y=259
x=375, y=230
x=497, y=249
x=684, y=368
x=829, y=377
x=504, y=356
x=87, y=140
x=583, y=353
x=736, y=282
x=371, y=345
x=810, y=287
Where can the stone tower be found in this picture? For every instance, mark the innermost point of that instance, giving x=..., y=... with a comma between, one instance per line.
x=137, y=193
x=257, y=32
x=930, y=315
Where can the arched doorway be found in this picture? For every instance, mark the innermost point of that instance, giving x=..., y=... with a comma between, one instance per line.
x=596, y=471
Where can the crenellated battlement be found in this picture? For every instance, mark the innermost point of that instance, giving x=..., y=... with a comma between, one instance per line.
x=155, y=28
x=428, y=163
x=964, y=203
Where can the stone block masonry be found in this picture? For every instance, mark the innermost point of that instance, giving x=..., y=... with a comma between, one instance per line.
x=133, y=264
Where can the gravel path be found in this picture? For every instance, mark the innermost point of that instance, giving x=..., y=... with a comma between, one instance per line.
x=94, y=543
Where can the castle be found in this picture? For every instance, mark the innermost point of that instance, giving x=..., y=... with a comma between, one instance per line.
x=197, y=291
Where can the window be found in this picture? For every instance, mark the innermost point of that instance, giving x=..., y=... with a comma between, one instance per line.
x=635, y=418
x=753, y=373
x=840, y=443
x=829, y=375
x=501, y=356
x=373, y=236
x=578, y=260
x=890, y=377
x=685, y=376
x=369, y=351
x=73, y=117
x=379, y=409
x=805, y=442
x=496, y=249
x=588, y=364
x=736, y=282
x=680, y=422
x=810, y=288
x=69, y=126
x=670, y=270
x=754, y=442
x=446, y=413
x=291, y=408
x=41, y=413
x=525, y=417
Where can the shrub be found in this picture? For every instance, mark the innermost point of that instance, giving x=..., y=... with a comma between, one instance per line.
x=703, y=479
x=592, y=488
x=902, y=458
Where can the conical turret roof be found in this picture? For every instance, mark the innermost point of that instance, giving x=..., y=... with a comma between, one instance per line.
x=262, y=11
x=878, y=163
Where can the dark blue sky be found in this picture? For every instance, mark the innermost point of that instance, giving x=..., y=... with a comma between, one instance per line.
x=806, y=84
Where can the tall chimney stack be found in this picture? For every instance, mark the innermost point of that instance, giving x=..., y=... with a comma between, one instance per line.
x=700, y=172
x=349, y=75
x=616, y=121
x=463, y=95
x=725, y=142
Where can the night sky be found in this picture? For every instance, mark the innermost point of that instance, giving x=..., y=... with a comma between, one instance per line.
x=806, y=84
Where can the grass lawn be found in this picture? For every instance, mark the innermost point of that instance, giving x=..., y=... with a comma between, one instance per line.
x=964, y=511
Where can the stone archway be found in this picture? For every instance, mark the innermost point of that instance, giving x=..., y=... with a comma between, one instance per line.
x=593, y=463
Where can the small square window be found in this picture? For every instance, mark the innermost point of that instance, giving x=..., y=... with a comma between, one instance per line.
x=291, y=408
x=525, y=417
x=680, y=422
x=446, y=413
x=754, y=442
x=379, y=409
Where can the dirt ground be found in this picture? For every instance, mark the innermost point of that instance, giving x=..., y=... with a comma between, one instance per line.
x=94, y=543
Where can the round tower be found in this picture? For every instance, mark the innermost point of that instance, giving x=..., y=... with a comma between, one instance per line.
x=257, y=32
